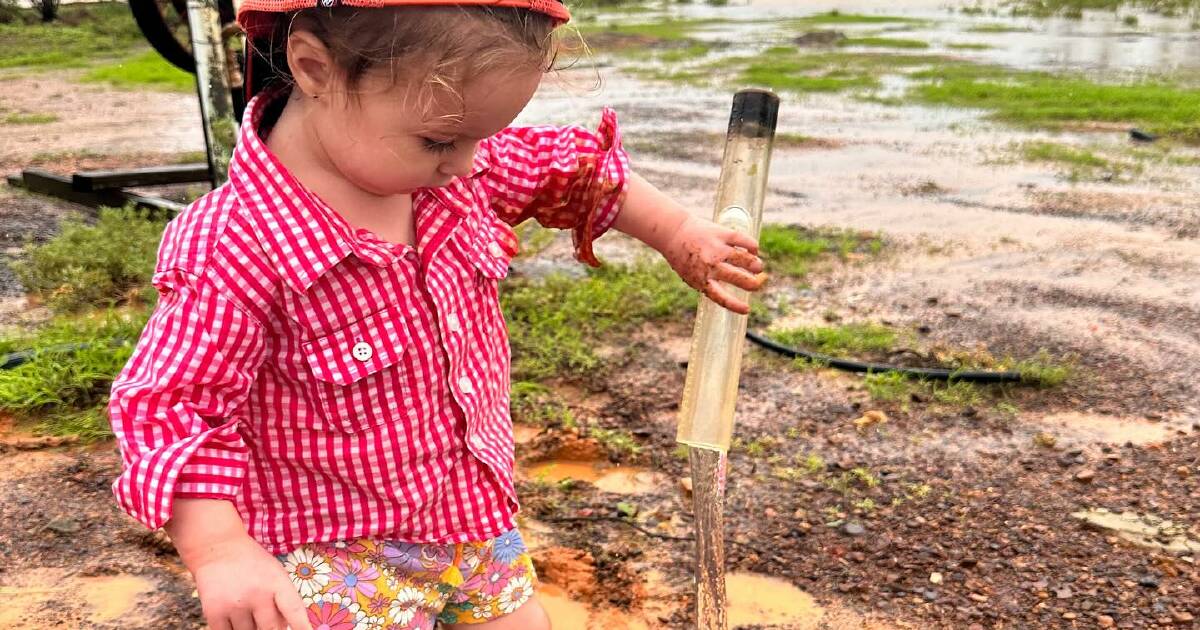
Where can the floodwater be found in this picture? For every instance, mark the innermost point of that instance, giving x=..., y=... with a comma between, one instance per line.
x=1020, y=255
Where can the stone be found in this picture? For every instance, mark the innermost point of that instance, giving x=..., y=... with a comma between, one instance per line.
x=1105, y=621
x=853, y=528
x=935, y=577
x=1182, y=616
x=1085, y=476
x=63, y=525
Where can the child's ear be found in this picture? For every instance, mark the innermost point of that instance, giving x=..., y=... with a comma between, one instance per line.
x=311, y=64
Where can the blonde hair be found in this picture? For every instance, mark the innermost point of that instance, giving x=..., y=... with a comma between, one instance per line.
x=431, y=48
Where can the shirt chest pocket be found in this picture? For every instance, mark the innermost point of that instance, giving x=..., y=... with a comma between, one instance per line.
x=359, y=374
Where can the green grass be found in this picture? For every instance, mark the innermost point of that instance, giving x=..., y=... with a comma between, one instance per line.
x=969, y=46
x=83, y=33
x=556, y=324
x=1078, y=163
x=884, y=42
x=1075, y=8
x=29, y=119
x=837, y=17
x=534, y=403
x=1043, y=370
x=888, y=386
x=616, y=441
x=105, y=264
x=839, y=340
x=146, y=70
x=794, y=250
x=790, y=70
x=1043, y=100
x=665, y=30
x=69, y=393
x=998, y=27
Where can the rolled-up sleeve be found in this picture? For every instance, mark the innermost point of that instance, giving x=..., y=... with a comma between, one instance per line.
x=174, y=407
x=563, y=177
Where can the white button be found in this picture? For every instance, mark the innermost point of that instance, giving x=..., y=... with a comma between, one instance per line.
x=495, y=249
x=452, y=323
x=362, y=351
x=466, y=385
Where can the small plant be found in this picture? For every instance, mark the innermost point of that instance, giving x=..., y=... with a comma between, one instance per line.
x=1008, y=409
x=888, y=386
x=793, y=250
x=105, y=264
x=68, y=388
x=556, y=324
x=813, y=464
x=864, y=477
x=919, y=490
x=616, y=440
x=1045, y=440
x=1043, y=371
x=843, y=339
x=958, y=394
x=681, y=452
x=866, y=505
x=534, y=403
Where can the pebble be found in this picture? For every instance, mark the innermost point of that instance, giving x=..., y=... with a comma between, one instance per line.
x=1085, y=476
x=935, y=577
x=1148, y=581
x=853, y=529
x=1069, y=616
x=976, y=597
x=1183, y=471
x=63, y=526
x=1105, y=621
x=1182, y=616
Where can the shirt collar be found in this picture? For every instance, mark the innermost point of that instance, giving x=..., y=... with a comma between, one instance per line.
x=300, y=233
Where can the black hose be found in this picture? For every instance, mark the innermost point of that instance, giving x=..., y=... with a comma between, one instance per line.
x=936, y=374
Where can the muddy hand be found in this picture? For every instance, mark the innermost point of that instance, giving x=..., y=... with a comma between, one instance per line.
x=705, y=255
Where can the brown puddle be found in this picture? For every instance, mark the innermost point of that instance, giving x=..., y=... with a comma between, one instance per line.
x=616, y=479
x=108, y=598
x=1109, y=429
x=568, y=614
x=563, y=611
x=764, y=600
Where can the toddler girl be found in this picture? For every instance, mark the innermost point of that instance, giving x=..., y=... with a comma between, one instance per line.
x=318, y=409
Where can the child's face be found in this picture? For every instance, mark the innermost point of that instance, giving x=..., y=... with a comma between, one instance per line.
x=386, y=144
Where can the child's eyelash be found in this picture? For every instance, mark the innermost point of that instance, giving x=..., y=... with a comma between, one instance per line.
x=438, y=146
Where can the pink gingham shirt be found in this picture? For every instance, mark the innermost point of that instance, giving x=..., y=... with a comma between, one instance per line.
x=333, y=385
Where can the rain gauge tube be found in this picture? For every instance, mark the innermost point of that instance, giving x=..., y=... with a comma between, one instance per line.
x=714, y=367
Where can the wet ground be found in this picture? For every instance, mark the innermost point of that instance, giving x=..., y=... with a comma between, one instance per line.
x=940, y=516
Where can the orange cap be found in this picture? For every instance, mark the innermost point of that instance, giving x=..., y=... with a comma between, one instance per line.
x=255, y=16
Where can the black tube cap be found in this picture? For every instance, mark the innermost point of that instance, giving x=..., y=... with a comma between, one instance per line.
x=755, y=113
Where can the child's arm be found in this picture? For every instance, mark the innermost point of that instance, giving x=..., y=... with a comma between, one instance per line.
x=175, y=413
x=239, y=583
x=703, y=253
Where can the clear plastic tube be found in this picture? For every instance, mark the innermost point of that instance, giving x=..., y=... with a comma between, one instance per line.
x=714, y=367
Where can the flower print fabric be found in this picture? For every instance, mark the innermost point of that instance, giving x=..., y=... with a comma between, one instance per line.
x=393, y=585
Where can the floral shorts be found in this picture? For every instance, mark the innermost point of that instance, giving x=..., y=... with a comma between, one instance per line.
x=389, y=585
